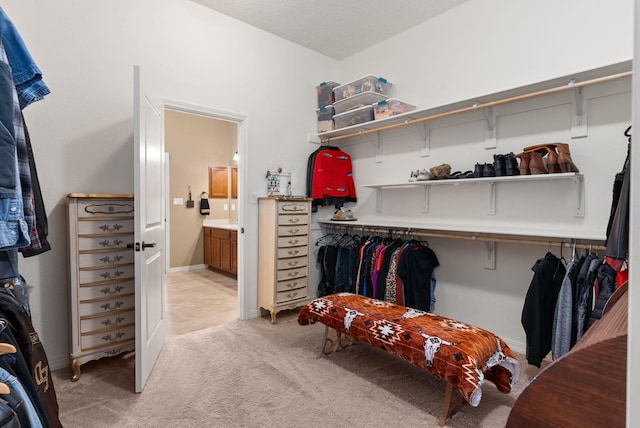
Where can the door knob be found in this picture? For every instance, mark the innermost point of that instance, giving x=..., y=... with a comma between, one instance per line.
x=145, y=245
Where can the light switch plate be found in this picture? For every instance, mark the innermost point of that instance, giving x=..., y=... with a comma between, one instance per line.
x=178, y=201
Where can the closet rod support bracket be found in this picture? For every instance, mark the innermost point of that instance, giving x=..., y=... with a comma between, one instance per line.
x=578, y=108
x=578, y=182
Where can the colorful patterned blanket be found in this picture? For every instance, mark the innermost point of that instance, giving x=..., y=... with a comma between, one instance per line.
x=460, y=354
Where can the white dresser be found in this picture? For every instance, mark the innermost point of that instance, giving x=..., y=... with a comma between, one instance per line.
x=283, y=253
x=102, y=276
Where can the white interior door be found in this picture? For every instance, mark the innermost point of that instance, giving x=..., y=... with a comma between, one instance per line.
x=149, y=231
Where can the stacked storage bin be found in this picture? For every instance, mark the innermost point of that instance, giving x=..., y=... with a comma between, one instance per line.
x=356, y=102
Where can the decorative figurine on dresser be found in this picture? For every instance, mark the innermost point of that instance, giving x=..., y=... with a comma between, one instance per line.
x=102, y=274
x=283, y=253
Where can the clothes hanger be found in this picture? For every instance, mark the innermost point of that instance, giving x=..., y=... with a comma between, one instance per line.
x=7, y=348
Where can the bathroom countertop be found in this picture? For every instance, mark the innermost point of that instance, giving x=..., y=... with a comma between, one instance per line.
x=221, y=224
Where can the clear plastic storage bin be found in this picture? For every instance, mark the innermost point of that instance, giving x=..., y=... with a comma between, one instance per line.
x=391, y=107
x=325, y=93
x=364, y=84
x=362, y=99
x=325, y=119
x=353, y=117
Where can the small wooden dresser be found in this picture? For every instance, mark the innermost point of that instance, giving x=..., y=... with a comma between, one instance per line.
x=102, y=276
x=283, y=253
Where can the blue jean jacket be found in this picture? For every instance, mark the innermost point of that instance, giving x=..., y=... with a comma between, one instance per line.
x=27, y=77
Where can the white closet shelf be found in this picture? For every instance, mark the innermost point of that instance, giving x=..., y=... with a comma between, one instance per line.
x=573, y=82
x=578, y=179
x=485, y=180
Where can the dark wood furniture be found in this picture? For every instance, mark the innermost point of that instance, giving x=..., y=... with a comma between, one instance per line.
x=586, y=387
x=221, y=249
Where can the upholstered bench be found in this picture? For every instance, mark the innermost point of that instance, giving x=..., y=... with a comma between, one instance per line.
x=460, y=354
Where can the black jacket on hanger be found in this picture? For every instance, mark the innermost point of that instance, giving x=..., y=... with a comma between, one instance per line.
x=539, y=306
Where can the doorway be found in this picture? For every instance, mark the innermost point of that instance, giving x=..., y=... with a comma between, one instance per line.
x=207, y=138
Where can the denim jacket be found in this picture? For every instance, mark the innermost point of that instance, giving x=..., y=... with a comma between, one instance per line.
x=27, y=77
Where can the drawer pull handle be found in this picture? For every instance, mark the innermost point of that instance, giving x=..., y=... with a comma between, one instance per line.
x=116, y=289
x=292, y=207
x=107, y=306
x=292, y=295
x=108, y=321
x=106, y=243
x=293, y=241
x=292, y=264
x=107, y=259
x=294, y=252
x=109, y=338
x=292, y=285
x=292, y=274
x=114, y=351
x=294, y=220
x=106, y=228
x=296, y=230
x=111, y=275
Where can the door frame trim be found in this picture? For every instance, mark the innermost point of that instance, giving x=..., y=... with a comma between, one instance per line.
x=242, y=121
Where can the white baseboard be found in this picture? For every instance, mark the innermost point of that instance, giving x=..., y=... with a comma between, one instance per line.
x=186, y=268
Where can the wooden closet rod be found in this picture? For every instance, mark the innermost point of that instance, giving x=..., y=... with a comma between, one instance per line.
x=478, y=106
x=410, y=232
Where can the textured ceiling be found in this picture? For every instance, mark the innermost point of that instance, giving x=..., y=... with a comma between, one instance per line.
x=336, y=28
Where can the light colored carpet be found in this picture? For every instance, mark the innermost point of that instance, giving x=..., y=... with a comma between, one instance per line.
x=256, y=374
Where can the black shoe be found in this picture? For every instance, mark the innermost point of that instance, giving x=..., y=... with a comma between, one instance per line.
x=488, y=170
x=511, y=164
x=499, y=164
x=478, y=170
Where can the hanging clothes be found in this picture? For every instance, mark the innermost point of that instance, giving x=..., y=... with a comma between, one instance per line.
x=330, y=177
x=539, y=306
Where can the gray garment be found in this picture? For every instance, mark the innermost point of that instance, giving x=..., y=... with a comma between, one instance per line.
x=584, y=298
x=561, y=334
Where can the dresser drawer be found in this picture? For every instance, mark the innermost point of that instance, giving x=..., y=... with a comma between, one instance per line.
x=292, y=284
x=292, y=252
x=293, y=207
x=97, y=274
x=105, y=208
x=115, y=289
x=294, y=262
x=112, y=320
x=285, y=296
x=105, y=242
x=292, y=241
x=105, y=338
x=106, y=258
x=92, y=226
x=289, y=220
x=285, y=274
x=293, y=230
x=107, y=305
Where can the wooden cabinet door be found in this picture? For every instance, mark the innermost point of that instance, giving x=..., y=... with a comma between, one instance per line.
x=218, y=182
x=234, y=253
x=225, y=255
x=234, y=183
x=216, y=252
x=207, y=246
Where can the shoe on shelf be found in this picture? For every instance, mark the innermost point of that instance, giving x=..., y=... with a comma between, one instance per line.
x=523, y=167
x=423, y=175
x=440, y=171
x=511, y=164
x=549, y=150
x=499, y=165
x=414, y=176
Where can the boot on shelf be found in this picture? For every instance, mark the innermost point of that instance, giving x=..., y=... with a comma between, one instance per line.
x=523, y=167
x=536, y=165
x=564, y=158
x=552, y=156
x=511, y=164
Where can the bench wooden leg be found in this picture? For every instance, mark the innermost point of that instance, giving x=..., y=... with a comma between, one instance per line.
x=451, y=406
x=332, y=344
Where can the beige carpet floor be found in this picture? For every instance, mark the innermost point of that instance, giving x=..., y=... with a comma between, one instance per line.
x=256, y=374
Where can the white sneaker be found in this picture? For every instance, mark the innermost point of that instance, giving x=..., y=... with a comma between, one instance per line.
x=423, y=175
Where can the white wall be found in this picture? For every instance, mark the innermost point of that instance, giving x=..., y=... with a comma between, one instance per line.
x=82, y=133
x=479, y=48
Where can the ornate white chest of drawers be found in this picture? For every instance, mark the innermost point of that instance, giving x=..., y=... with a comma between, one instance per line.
x=283, y=253
x=102, y=276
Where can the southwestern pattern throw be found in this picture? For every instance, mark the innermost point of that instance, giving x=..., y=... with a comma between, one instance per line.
x=460, y=354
